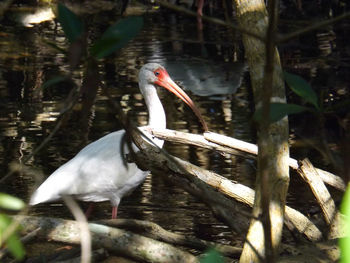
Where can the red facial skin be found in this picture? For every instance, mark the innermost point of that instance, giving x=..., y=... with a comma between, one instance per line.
x=166, y=82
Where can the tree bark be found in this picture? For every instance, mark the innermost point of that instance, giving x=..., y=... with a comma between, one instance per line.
x=273, y=171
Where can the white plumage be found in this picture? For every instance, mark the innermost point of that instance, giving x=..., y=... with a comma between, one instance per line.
x=97, y=173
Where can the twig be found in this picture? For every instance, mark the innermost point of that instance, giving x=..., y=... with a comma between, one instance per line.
x=313, y=27
x=30, y=236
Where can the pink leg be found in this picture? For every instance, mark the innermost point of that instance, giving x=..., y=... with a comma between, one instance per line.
x=114, y=212
x=88, y=211
x=200, y=4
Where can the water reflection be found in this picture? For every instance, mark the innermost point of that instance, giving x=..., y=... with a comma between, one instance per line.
x=29, y=114
x=36, y=16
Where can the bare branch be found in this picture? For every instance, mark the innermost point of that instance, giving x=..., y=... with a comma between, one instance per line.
x=225, y=144
x=323, y=197
x=313, y=27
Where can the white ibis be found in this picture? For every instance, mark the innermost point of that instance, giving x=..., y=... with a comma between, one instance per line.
x=97, y=173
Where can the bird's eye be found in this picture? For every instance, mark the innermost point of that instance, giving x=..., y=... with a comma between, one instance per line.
x=156, y=73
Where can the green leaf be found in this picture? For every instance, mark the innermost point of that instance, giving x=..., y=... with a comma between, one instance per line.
x=13, y=243
x=212, y=256
x=280, y=110
x=10, y=202
x=53, y=81
x=71, y=24
x=344, y=243
x=16, y=247
x=300, y=87
x=117, y=36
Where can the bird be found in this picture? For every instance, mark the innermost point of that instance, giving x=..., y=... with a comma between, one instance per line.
x=98, y=172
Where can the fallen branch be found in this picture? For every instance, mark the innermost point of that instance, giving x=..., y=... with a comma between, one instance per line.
x=323, y=197
x=175, y=167
x=155, y=231
x=225, y=144
x=327, y=177
x=200, y=141
x=112, y=239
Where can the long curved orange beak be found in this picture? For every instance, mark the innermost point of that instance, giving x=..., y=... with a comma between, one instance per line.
x=165, y=81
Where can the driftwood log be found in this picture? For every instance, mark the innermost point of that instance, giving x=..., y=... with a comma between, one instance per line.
x=112, y=239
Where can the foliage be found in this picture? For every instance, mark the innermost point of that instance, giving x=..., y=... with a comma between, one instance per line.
x=344, y=243
x=7, y=236
x=301, y=88
x=71, y=24
x=113, y=39
x=10, y=202
x=280, y=110
x=212, y=256
x=53, y=81
x=117, y=36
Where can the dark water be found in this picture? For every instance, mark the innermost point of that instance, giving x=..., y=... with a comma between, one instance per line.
x=29, y=114
x=208, y=64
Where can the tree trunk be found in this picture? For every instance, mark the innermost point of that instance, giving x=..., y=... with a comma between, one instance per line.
x=264, y=234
